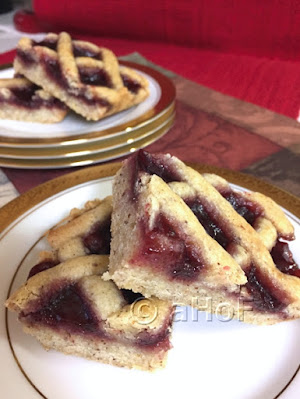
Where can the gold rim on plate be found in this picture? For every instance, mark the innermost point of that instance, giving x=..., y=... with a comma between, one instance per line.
x=90, y=157
x=92, y=146
x=168, y=94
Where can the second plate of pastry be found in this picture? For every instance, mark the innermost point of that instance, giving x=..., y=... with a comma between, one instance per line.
x=76, y=141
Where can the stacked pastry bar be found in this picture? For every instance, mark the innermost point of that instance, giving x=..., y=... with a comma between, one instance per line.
x=82, y=76
x=178, y=237
x=68, y=307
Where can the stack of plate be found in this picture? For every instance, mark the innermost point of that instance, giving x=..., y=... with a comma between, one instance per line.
x=76, y=142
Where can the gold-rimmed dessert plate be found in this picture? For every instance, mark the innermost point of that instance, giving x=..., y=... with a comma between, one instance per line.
x=88, y=157
x=247, y=361
x=91, y=146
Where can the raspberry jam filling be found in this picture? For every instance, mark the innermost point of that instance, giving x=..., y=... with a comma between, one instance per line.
x=25, y=94
x=247, y=209
x=281, y=254
x=211, y=227
x=130, y=296
x=49, y=43
x=157, y=165
x=159, y=340
x=26, y=57
x=25, y=97
x=143, y=161
x=266, y=297
x=97, y=241
x=81, y=51
x=95, y=77
x=165, y=247
x=283, y=259
x=40, y=267
x=52, y=68
x=132, y=85
x=67, y=308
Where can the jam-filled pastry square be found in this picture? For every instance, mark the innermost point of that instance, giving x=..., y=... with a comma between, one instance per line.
x=192, y=240
x=22, y=100
x=84, y=76
x=68, y=307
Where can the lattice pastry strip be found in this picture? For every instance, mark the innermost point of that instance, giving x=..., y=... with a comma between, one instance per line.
x=266, y=209
x=261, y=212
x=135, y=83
x=86, y=77
x=173, y=248
x=69, y=308
x=24, y=101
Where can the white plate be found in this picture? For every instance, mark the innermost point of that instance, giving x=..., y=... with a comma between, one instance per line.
x=211, y=358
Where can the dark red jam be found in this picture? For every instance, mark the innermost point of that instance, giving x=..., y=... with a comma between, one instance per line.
x=143, y=161
x=49, y=43
x=26, y=58
x=95, y=77
x=91, y=100
x=165, y=248
x=130, y=296
x=97, y=241
x=40, y=267
x=25, y=97
x=132, y=85
x=283, y=259
x=160, y=339
x=212, y=228
x=81, y=51
x=156, y=165
x=281, y=254
x=247, y=209
x=53, y=70
x=266, y=296
x=24, y=94
x=67, y=308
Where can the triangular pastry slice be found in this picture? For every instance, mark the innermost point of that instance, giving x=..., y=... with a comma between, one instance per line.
x=175, y=236
x=68, y=307
x=84, y=76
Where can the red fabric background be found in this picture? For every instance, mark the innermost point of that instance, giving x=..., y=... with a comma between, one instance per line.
x=265, y=28
x=249, y=49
